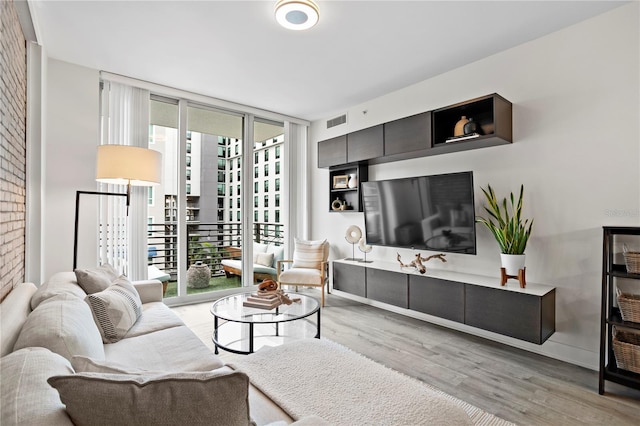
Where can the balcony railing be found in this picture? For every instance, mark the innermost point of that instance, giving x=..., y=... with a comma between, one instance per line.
x=207, y=242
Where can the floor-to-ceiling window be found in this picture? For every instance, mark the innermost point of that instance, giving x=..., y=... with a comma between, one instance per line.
x=196, y=217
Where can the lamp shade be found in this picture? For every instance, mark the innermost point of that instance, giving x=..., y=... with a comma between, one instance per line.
x=123, y=164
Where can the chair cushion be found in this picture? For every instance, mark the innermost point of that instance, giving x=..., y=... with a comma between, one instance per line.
x=265, y=259
x=278, y=253
x=96, y=279
x=27, y=398
x=115, y=310
x=308, y=254
x=196, y=398
x=64, y=325
x=301, y=276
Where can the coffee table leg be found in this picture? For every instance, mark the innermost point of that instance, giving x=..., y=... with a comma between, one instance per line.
x=215, y=333
x=318, y=332
x=250, y=337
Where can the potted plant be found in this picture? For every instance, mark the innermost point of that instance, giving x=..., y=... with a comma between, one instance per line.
x=199, y=273
x=509, y=229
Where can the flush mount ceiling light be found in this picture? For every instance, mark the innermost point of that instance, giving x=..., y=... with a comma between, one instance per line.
x=297, y=14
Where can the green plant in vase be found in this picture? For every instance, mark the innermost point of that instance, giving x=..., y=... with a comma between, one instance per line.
x=510, y=230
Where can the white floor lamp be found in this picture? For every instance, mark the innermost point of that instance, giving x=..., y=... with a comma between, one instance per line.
x=121, y=165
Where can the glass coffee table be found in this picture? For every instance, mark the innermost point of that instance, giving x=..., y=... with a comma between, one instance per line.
x=243, y=330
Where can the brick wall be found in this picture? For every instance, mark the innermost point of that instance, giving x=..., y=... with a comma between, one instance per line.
x=13, y=112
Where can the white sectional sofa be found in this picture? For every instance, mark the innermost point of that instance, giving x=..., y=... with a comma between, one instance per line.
x=50, y=332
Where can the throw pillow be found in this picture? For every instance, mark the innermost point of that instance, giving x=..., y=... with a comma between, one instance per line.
x=203, y=398
x=27, y=398
x=265, y=259
x=115, y=309
x=97, y=279
x=308, y=254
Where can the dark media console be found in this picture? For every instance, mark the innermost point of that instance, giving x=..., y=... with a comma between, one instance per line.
x=522, y=313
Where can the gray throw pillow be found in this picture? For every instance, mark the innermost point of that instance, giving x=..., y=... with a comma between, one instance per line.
x=115, y=309
x=204, y=398
x=96, y=279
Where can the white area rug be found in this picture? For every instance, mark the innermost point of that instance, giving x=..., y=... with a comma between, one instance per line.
x=323, y=378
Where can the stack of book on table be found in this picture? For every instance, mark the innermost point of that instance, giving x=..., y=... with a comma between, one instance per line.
x=263, y=300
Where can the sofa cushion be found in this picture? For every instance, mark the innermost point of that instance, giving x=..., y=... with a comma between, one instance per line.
x=60, y=283
x=155, y=316
x=14, y=312
x=96, y=279
x=64, y=325
x=172, y=349
x=201, y=398
x=115, y=309
x=83, y=364
x=308, y=254
x=27, y=398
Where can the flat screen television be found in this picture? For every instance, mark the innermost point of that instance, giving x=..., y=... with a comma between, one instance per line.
x=422, y=213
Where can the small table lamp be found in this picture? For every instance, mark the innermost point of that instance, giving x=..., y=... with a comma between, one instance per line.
x=121, y=165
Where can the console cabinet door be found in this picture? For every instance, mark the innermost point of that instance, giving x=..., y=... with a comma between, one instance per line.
x=349, y=278
x=388, y=287
x=332, y=152
x=440, y=298
x=365, y=144
x=408, y=134
x=523, y=316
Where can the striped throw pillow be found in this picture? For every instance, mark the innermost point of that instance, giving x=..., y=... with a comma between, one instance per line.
x=115, y=309
x=308, y=254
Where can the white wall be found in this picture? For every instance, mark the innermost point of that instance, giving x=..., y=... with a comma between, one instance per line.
x=576, y=149
x=71, y=137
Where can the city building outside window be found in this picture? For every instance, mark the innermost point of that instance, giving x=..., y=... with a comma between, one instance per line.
x=266, y=186
x=255, y=201
x=256, y=158
x=255, y=172
x=255, y=187
x=277, y=167
x=266, y=215
x=255, y=216
x=278, y=151
x=277, y=216
x=277, y=184
x=266, y=155
x=266, y=201
x=266, y=169
x=277, y=200
x=150, y=196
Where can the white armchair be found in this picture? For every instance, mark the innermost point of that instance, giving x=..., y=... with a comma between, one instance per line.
x=309, y=266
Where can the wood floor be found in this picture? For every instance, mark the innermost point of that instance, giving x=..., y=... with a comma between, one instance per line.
x=516, y=385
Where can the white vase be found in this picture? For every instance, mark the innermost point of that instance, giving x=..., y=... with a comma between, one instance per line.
x=353, y=181
x=512, y=263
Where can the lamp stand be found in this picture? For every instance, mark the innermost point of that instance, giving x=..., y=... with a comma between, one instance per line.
x=75, y=229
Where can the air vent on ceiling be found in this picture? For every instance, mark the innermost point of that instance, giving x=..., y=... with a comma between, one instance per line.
x=342, y=119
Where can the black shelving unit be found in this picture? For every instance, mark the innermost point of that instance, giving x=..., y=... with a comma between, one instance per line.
x=351, y=196
x=610, y=313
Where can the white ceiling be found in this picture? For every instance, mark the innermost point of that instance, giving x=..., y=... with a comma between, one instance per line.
x=234, y=50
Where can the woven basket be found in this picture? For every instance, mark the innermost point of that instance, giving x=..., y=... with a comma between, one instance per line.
x=632, y=260
x=626, y=348
x=629, y=305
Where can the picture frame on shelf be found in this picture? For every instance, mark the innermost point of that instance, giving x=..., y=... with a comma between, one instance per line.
x=340, y=181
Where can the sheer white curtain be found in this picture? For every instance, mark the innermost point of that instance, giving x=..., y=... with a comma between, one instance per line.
x=296, y=178
x=125, y=121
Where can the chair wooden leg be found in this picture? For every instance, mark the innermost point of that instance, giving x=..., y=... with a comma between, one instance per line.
x=322, y=291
